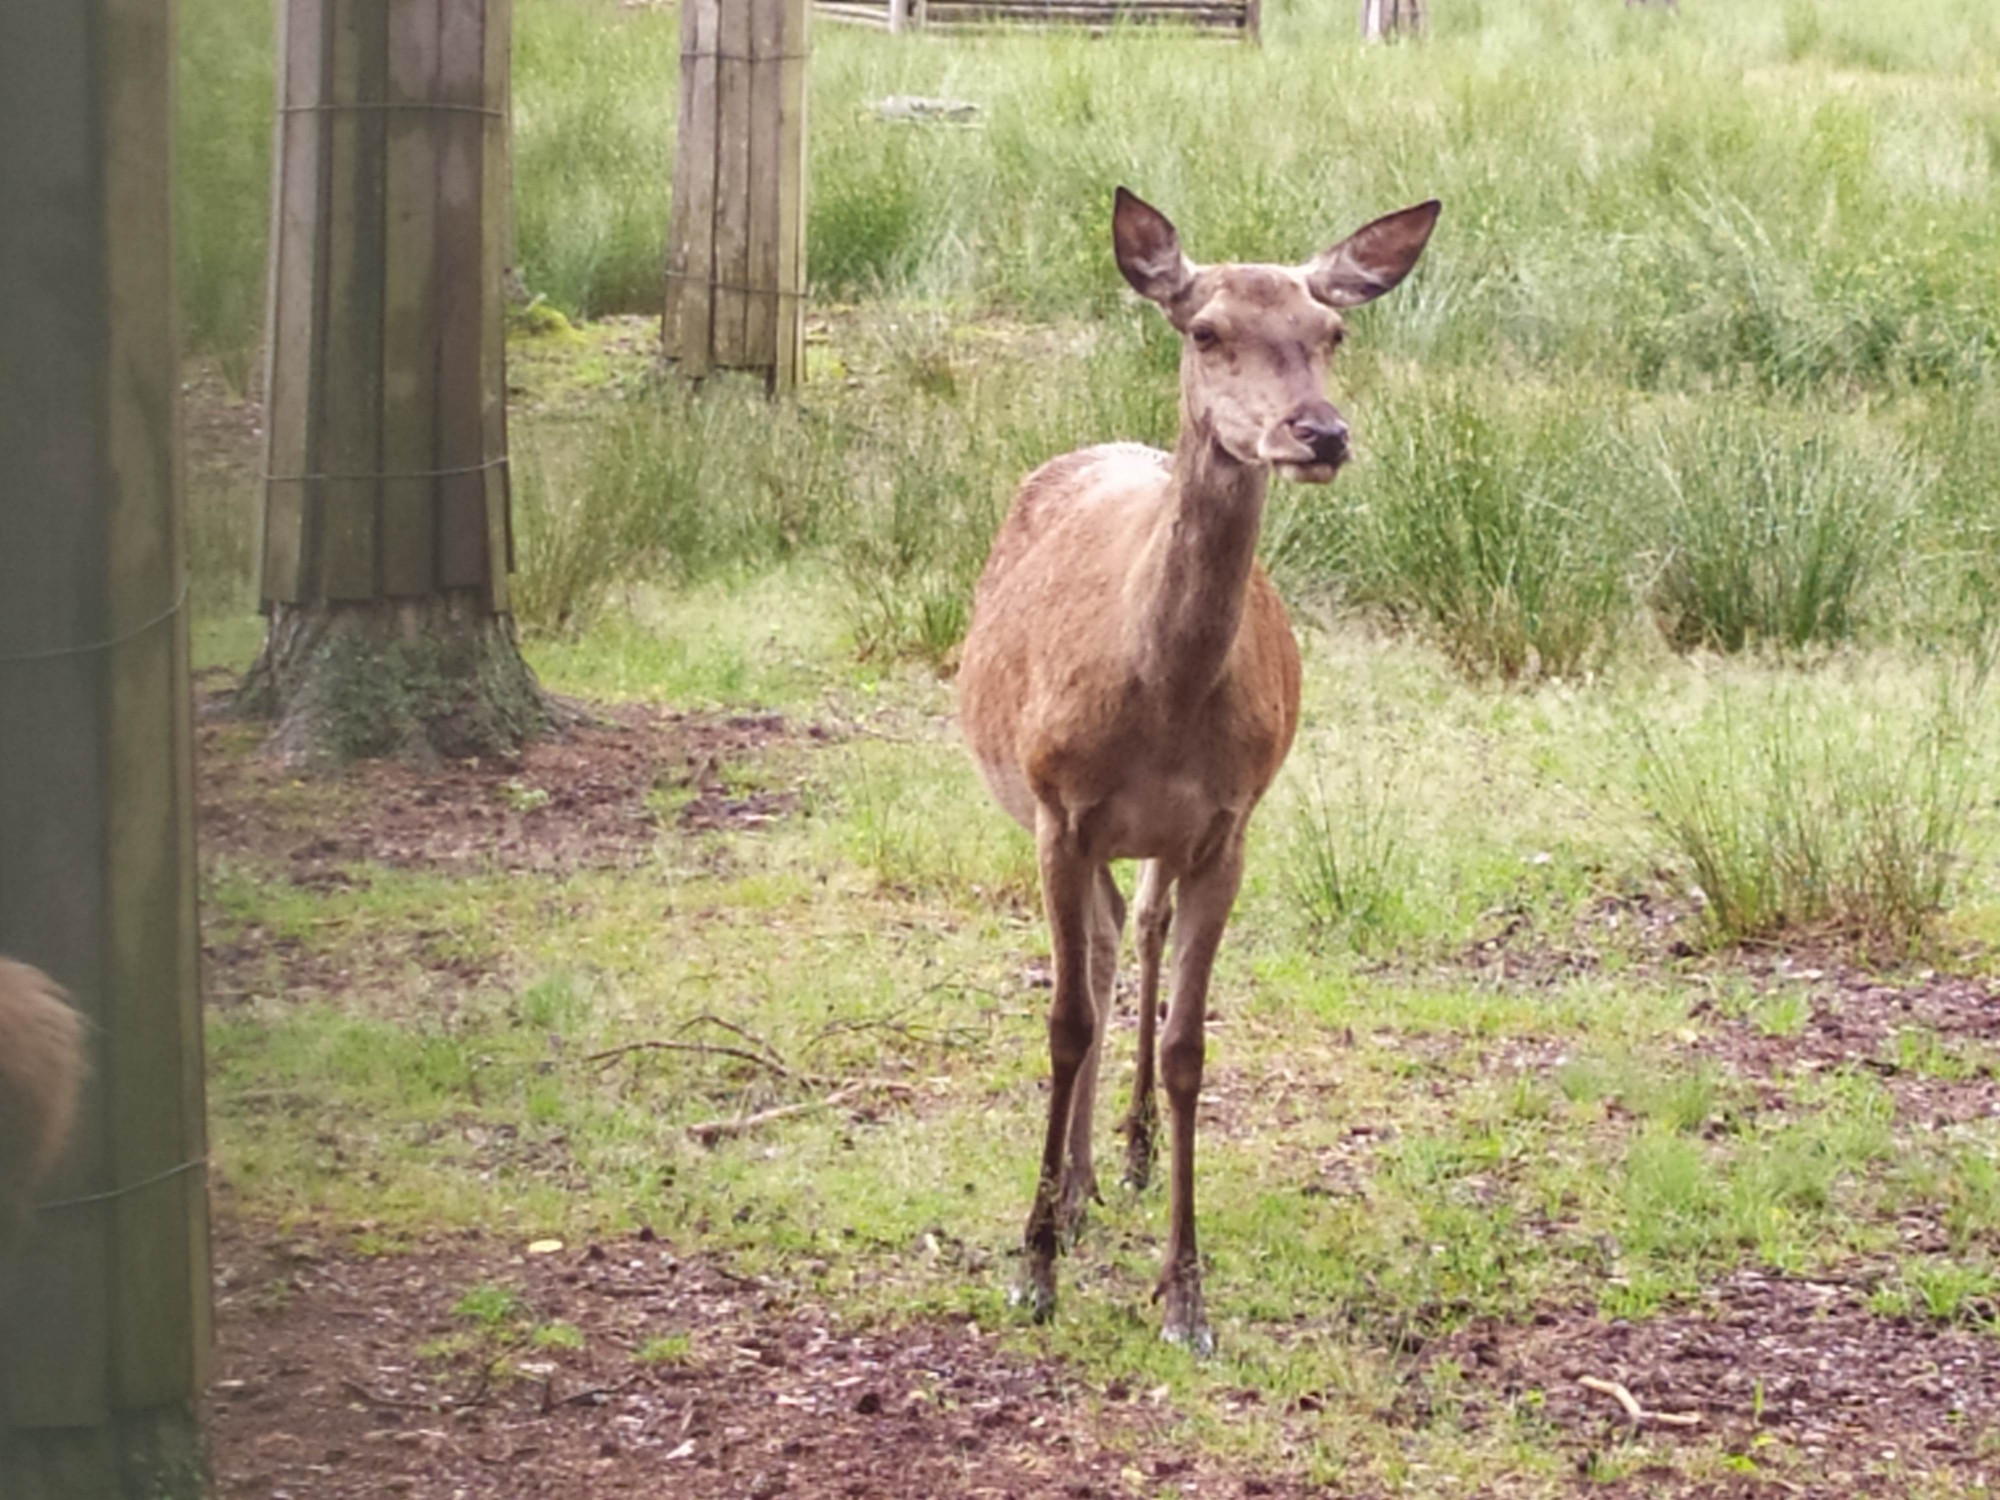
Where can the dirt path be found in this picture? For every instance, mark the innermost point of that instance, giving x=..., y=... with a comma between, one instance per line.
x=343, y=1376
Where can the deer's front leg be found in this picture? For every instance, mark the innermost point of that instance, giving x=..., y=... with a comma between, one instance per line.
x=1206, y=895
x=1142, y=1121
x=1066, y=895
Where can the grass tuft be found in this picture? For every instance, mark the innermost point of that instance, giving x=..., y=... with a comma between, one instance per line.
x=1817, y=810
x=1776, y=535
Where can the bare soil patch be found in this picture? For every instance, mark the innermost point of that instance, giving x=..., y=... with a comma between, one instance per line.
x=1799, y=1375
x=1883, y=1020
x=325, y=1391
x=598, y=795
x=1933, y=1038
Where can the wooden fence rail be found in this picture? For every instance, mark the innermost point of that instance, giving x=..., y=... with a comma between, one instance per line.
x=1229, y=18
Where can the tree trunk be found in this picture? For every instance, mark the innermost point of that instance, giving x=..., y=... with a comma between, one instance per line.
x=104, y=1300
x=410, y=678
x=387, y=537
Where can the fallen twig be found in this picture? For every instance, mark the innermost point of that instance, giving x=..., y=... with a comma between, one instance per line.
x=376, y=1398
x=713, y=1049
x=709, y=1018
x=597, y=1394
x=708, y=1132
x=1638, y=1414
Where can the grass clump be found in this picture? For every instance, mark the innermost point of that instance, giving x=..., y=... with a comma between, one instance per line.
x=594, y=105
x=1485, y=520
x=1816, y=809
x=1349, y=864
x=674, y=483
x=222, y=178
x=1775, y=535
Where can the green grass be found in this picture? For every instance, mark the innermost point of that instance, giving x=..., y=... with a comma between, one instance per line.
x=1663, y=584
x=1705, y=336
x=1778, y=533
x=1822, y=801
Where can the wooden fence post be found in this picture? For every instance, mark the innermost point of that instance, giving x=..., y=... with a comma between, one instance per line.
x=104, y=1305
x=736, y=267
x=1385, y=20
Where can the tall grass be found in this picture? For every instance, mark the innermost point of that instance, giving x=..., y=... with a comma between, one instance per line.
x=222, y=177
x=1486, y=519
x=1774, y=224
x=1839, y=801
x=1777, y=532
x=671, y=483
x=1670, y=204
x=594, y=101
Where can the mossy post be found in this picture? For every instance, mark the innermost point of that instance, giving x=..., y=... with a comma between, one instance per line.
x=387, y=539
x=104, y=1300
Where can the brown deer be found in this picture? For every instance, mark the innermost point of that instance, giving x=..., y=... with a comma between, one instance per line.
x=1130, y=684
x=41, y=1064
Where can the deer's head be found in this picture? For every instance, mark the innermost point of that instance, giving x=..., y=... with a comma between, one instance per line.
x=1256, y=340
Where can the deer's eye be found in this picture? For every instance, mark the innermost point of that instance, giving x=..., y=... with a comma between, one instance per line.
x=1204, y=336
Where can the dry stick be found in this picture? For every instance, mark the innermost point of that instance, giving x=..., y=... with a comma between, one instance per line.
x=708, y=1132
x=1638, y=1414
x=376, y=1398
x=597, y=1394
x=709, y=1018
x=713, y=1049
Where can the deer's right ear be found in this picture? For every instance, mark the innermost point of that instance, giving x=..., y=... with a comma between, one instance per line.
x=1149, y=250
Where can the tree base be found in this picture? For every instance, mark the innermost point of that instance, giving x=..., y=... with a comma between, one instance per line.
x=413, y=679
x=147, y=1455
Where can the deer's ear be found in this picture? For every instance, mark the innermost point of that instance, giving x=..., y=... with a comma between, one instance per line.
x=1149, y=250
x=1373, y=259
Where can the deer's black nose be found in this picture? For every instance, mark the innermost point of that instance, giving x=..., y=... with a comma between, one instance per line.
x=1324, y=433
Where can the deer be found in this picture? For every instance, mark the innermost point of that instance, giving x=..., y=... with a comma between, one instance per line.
x=41, y=1068
x=1129, y=687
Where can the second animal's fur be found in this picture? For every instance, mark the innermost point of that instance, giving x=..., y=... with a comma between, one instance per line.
x=41, y=1068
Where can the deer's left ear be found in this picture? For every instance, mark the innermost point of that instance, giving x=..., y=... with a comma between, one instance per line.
x=1373, y=259
x=1148, y=248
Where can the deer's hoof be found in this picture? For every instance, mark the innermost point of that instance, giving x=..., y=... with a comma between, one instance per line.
x=1186, y=1323
x=1035, y=1292
x=1197, y=1338
x=1079, y=1192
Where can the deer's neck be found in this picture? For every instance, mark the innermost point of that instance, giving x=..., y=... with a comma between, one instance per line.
x=1189, y=589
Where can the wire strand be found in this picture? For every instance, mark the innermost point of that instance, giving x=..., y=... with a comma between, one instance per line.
x=429, y=105
x=478, y=468
x=196, y=1164
x=53, y=653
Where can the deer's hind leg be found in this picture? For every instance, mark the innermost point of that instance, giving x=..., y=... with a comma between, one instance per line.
x=1107, y=928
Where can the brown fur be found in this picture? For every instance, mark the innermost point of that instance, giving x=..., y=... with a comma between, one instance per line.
x=1130, y=683
x=41, y=1066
